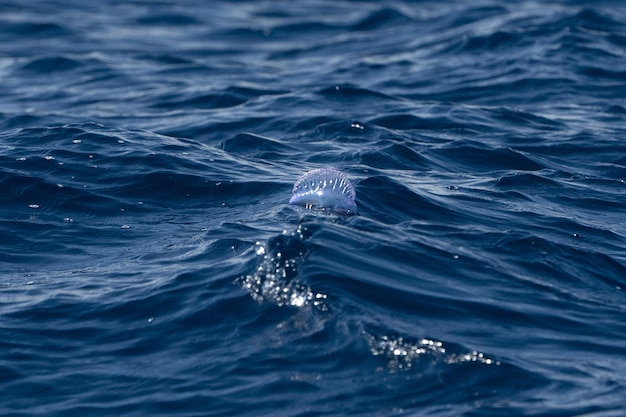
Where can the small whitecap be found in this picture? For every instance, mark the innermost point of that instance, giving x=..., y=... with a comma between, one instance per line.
x=325, y=189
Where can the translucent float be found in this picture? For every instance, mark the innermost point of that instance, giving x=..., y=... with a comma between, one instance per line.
x=325, y=189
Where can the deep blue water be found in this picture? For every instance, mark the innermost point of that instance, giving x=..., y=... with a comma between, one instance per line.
x=150, y=264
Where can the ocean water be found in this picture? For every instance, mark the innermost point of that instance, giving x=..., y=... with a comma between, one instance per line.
x=151, y=266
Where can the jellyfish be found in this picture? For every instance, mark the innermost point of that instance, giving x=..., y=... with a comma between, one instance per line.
x=325, y=189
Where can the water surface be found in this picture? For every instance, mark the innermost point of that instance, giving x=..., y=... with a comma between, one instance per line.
x=150, y=263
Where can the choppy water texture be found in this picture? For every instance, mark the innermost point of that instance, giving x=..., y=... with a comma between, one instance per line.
x=151, y=265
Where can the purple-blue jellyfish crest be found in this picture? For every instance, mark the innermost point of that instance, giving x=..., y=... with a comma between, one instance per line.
x=325, y=189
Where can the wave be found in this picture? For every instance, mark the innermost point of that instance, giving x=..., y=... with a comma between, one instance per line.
x=149, y=254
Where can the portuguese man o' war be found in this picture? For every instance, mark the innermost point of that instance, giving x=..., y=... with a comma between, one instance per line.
x=325, y=189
